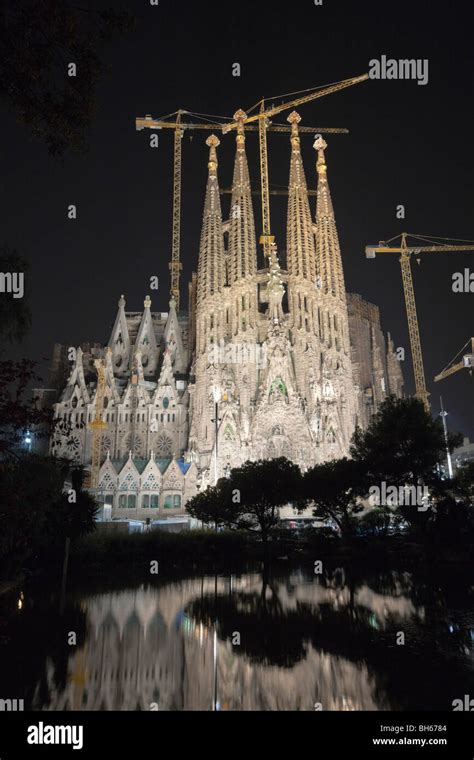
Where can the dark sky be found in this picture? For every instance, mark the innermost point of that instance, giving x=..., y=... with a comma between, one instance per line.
x=408, y=144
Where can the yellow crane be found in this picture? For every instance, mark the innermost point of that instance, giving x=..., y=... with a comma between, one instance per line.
x=180, y=127
x=273, y=191
x=406, y=251
x=98, y=425
x=465, y=362
x=264, y=123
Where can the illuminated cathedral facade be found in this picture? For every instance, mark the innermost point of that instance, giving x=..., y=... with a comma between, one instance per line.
x=267, y=362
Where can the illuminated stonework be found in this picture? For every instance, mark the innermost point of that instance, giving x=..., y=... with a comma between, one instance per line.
x=297, y=361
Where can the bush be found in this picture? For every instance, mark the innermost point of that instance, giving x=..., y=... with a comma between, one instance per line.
x=185, y=548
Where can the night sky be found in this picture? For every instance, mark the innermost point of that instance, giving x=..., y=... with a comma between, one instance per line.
x=408, y=144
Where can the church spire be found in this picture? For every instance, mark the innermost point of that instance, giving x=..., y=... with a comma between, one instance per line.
x=211, y=252
x=301, y=255
x=242, y=243
x=328, y=253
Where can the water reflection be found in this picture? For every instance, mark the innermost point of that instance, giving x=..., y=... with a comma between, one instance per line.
x=247, y=642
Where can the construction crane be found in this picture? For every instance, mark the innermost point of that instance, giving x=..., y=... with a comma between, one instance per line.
x=264, y=125
x=406, y=251
x=180, y=127
x=175, y=263
x=263, y=117
x=98, y=425
x=273, y=191
x=466, y=362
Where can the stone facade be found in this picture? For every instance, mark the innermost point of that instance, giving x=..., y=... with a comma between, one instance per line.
x=277, y=362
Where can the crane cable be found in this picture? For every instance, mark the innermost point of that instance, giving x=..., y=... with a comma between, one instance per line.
x=459, y=353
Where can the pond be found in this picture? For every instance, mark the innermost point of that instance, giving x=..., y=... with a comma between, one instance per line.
x=285, y=640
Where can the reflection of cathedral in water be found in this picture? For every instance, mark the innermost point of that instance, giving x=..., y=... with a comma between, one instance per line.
x=145, y=651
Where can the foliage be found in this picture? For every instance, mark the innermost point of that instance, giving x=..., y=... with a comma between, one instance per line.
x=18, y=413
x=112, y=549
x=211, y=506
x=36, y=513
x=463, y=483
x=250, y=499
x=451, y=523
x=39, y=39
x=334, y=487
x=376, y=522
x=402, y=444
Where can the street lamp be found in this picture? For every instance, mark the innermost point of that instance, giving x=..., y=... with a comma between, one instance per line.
x=443, y=414
x=28, y=440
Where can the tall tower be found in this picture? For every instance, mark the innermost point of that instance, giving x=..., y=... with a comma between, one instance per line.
x=301, y=262
x=211, y=268
x=242, y=243
x=329, y=262
x=301, y=255
x=335, y=413
x=241, y=315
x=241, y=308
x=210, y=325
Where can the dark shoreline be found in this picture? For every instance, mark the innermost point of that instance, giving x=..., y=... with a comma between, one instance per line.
x=232, y=552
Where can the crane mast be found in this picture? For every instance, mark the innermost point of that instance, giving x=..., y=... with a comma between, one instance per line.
x=180, y=127
x=413, y=327
x=406, y=251
x=175, y=264
x=266, y=238
x=264, y=124
x=263, y=117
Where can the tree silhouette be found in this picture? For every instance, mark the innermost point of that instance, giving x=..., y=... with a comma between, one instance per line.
x=39, y=39
x=333, y=487
x=251, y=497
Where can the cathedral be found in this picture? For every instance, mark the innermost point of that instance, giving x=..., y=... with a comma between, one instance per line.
x=271, y=362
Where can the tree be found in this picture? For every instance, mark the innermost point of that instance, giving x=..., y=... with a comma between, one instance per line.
x=463, y=483
x=334, y=487
x=38, y=509
x=250, y=499
x=210, y=506
x=75, y=511
x=402, y=444
x=18, y=411
x=376, y=522
x=40, y=39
